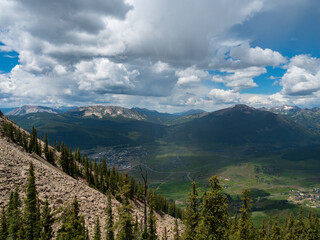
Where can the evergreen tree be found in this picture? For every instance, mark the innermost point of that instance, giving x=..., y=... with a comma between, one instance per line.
x=152, y=229
x=191, y=214
x=31, y=147
x=275, y=233
x=262, y=231
x=113, y=181
x=71, y=164
x=289, y=231
x=46, y=222
x=31, y=218
x=14, y=215
x=39, y=149
x=46, y=147
x=3, y=225
x=246, y=229
x=176, y=235
x=55, y=144
x=97, y=231
x=96, y=174
x=73, y=226
x=78, y=155
x=313, y=227
x=300, y=225
x=125, y=221
x=214, y=216
x=233, y=227
x=109, y=221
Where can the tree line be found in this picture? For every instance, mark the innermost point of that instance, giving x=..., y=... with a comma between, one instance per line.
x=210, y=220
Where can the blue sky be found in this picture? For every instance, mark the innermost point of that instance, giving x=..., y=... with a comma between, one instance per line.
x=135, y=53
x=8, y=60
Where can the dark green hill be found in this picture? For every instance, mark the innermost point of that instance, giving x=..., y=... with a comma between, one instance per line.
x=240, y=125
x=155, y=116
x=89, y=133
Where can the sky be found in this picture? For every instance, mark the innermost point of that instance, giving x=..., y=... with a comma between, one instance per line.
x=167, y=55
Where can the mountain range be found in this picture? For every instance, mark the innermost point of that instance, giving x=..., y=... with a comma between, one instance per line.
x=309, y=118
x=268, y=149
x=110, y=126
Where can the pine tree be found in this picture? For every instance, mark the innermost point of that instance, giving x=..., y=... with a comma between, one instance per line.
x=3, y=225
x=71, y=164
x=289, y=230
x=73, y=226
x=46, y=222
x=214, y=216
x=78, y=155
x=313, y=226
x=152, y=229
x=233, y=227
x=30, y=218
x=275, y=229
x=300, y=225
x=113, y=181
x=97, y=231
x=191, y=214
x=109, y=220
x=125, y=221
x=14, y=215
x=96, y=174
x=39, y=149
x=176, y=235
x=55, y=144
x=51, y=157
x=246, y=229
x=46, y=147
x=262, y=231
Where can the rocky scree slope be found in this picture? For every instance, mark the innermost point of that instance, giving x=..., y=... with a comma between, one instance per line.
x=59, y=188
x=100, y=111
x=26, y=109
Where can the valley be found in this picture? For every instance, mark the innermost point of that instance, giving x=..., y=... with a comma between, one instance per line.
x=246, y=148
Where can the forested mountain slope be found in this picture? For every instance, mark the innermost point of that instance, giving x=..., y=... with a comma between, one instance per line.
x=58, y=187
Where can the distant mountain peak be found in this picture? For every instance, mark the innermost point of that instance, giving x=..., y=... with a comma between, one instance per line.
x=101, y=111
x=242, y=107
x=26, y=109
x=285, y=109
x=236, y=108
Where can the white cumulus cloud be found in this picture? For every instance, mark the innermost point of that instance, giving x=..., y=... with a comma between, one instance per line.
x=102, y=75
x=224, y=96
x=190, y=75
x=302, y=76
x=239, y=79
